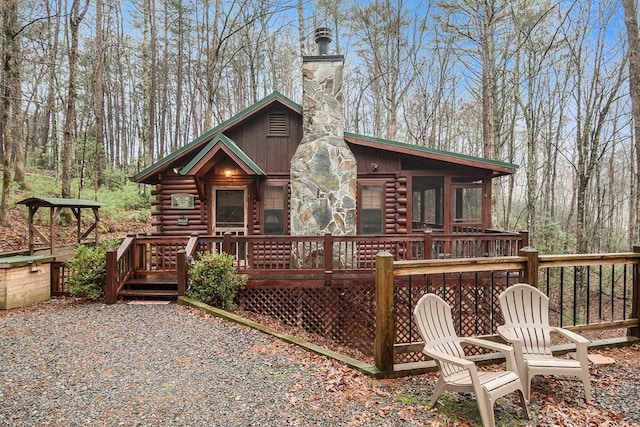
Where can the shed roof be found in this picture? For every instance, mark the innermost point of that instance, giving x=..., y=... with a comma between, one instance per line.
x=59, y=202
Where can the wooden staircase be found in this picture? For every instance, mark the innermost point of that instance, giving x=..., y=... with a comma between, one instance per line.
x=151, y=285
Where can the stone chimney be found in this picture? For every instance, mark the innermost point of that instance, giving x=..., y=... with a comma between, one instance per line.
x=323, y=168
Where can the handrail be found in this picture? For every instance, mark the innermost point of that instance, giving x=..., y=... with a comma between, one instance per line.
x=529, y=265
x=119, y=267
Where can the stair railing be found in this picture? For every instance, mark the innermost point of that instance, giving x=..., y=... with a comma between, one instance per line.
x=119, y=268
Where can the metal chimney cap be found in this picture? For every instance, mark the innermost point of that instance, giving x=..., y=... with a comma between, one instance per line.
x=323, y=34
x=323, y=38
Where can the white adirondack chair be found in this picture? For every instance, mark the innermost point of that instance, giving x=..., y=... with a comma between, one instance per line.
x=457, y=373
x=526, y=316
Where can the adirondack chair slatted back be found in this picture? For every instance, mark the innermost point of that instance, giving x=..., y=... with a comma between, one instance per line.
x=433, y=317
x=526, y=312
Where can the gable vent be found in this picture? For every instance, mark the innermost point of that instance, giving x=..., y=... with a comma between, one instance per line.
x=278, y=125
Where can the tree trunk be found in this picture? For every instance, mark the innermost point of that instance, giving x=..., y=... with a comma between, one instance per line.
x=633, y=36
x=153, y=83
x=69, y=131
x=11, y=90
x=98, y=97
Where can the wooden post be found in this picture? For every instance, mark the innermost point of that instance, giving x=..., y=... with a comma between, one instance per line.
x=530, y=273
x=428, y=244
x=525, y=238
x=226, y=243
x=328, y=259
x=52, y=244
x=635, y=302
x=110, y=286
x=181, y=261
x=385, y=326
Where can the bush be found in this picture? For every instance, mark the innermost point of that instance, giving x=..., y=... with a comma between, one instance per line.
x=214, y=281
x=87, y=273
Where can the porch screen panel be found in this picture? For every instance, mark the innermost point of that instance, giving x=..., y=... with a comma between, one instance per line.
x=372, y=209
x=427, y=210
x=230, y=209
x=273, y=214
x=467, y=205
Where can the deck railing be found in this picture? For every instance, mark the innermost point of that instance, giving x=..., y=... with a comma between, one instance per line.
x=587, y=293
x=354, y=252
x=142, y=255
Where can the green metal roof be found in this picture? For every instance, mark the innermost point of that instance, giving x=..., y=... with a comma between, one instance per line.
x=421, y=151
x=432, y=151
x=275, y=96
x=227, y=142
x=58, y=202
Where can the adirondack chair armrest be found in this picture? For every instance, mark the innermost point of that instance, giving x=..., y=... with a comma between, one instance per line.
x=492, y=345
x=507, y=351
x=508, y=335
x=447, y=358
x=582, y=343
x=570, y=335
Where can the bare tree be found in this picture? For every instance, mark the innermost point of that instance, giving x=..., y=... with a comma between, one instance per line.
x=596, y=90
x=391, y=41
x=633, y=37
x=98, y=96
x=10, y=108
x=75, y=18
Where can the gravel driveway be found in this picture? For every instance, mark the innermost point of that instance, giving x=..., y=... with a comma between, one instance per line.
x=150, y=365
x=166, y=365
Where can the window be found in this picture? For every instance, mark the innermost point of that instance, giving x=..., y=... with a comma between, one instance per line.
x=371, y=209
x=273, y=210
x=427, y=210
x=229, y=208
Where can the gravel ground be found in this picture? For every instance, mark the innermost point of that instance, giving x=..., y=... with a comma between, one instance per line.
x=166, y=365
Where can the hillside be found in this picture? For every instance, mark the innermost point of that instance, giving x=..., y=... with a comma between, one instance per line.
x=124, y=211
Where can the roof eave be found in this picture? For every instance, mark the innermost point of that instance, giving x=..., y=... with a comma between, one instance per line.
x=498, y=168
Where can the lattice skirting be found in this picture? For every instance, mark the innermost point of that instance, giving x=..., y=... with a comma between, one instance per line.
x=345, y=313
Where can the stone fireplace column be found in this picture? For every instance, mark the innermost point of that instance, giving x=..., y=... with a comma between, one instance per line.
x=323, y=168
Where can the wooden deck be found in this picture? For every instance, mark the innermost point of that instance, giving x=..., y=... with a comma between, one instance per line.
x=145, y=264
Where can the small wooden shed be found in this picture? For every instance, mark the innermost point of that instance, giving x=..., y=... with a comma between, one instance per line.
x=56, y=205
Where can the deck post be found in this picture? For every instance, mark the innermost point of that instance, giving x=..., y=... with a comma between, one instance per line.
x=328, y=259
x=428, y=244
x=110, y=296
x=525, y=238
x=226, y=243
x=181, y=261
x=635, y=302
x=385, y=326
x=530, y=273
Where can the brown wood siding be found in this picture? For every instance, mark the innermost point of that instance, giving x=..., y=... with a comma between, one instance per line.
x=367, y=158
x=272, y=153
x=165, y=218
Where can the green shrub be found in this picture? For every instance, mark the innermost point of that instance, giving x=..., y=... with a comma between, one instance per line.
x=214, y=281
x=87, y=274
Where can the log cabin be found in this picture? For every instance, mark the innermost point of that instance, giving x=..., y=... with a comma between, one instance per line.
x=305, y=206
x=280, y=168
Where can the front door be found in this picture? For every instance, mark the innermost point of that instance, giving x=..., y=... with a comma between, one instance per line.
x=230, y=214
